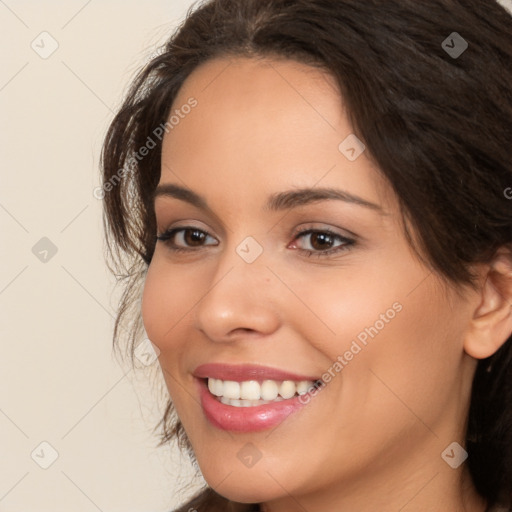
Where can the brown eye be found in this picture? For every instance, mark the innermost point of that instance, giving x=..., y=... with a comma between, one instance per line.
x=193, y=237
x=186, y=238
x=321, y=241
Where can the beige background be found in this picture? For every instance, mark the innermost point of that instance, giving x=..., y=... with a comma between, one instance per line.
x=59, y=381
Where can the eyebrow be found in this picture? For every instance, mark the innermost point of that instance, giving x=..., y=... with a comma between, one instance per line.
x=276, y=202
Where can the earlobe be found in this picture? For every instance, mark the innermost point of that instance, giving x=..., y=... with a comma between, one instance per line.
x=491, y=325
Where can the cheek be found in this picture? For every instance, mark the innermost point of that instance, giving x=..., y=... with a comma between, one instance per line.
x=389, y=329
x=336, y=306
x=167, y=298
x=411, y=368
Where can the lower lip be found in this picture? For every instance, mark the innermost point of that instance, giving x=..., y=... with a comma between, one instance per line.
x=246, y=419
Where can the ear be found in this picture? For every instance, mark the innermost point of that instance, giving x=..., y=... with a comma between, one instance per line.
x=491, y=324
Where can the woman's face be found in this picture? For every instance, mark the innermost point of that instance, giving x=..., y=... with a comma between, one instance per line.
x=294, y=267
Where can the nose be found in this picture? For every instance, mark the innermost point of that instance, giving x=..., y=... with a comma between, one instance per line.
x=238, y=302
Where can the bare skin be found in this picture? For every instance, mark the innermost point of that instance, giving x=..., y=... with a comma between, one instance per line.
x=372, y=439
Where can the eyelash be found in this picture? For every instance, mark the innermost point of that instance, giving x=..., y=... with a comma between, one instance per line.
x=347, y=243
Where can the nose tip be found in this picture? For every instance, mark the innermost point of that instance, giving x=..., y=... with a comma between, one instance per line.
x=238, y=305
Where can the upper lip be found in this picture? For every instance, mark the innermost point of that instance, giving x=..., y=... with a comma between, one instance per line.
x=243, y=372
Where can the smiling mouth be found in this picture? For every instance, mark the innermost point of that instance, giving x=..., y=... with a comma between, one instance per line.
x=253, y=393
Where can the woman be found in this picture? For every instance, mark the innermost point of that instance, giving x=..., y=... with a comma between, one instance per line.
x=314, y=195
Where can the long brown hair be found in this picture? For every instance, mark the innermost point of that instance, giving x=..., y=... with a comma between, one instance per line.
x=438, y=125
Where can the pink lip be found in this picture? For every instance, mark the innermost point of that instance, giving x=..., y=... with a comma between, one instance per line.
x=246, y=419
x=239, y=373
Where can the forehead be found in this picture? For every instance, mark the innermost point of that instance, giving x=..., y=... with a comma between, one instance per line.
x=262, y=125
x=244, y=78
x=264, y=95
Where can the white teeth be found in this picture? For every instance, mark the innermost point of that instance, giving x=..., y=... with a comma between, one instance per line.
x=231, y=389
x=304, y=386
x=250, y=392
x=218, y=387
x=243, y=403
x=215, y=386
x=269, y=390
x=287, y=389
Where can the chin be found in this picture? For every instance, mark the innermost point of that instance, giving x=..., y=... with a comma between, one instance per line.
x=250, y=485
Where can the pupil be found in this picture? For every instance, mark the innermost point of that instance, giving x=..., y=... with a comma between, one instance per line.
x=321, y=239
